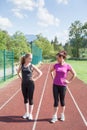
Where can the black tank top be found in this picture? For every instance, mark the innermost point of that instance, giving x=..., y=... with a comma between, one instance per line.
x=27, y=72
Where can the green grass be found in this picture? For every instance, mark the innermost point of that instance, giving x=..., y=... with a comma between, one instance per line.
x=81, y=69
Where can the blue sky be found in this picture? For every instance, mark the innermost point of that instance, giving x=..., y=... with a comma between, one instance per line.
x=48, y=17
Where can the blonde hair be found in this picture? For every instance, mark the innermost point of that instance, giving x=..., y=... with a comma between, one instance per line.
x=24, y=57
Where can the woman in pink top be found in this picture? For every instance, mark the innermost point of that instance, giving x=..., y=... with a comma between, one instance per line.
x=60, y=82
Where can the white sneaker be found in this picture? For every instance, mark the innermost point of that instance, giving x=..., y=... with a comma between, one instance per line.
x=30, y=117
x=54, y=119
x=26, y=115
x=62, y=117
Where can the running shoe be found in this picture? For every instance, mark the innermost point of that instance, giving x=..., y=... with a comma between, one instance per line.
x=54, y=119
x=30, y=117
x=25, y=116
x=62, y=117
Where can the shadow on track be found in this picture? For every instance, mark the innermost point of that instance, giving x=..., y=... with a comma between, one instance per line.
x=19, y=119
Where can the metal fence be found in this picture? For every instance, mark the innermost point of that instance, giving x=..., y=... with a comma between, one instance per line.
x=37, y=54
x=7, y=69
x=6, y=64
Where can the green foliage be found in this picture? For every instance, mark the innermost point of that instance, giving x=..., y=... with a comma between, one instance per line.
x=83, y=53
x=4, y=40
x=57, y=46
x=76, y=45
x=19, y=44
x=68, y=49
x=16, y=43
x=45, y=45
x=77, y=38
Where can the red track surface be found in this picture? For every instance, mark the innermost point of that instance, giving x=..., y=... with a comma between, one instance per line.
x=10, y=114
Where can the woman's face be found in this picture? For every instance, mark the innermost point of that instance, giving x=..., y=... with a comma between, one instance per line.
x=59, y=58
x=28, y=59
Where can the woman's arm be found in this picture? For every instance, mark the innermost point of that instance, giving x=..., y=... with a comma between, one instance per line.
x=52, y=72
x=18, y=72
x=38, y=71
x=72, y=71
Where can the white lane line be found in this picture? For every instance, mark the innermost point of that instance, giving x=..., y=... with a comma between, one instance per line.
x=82, y=116
x=41, y=98
x=10, y=99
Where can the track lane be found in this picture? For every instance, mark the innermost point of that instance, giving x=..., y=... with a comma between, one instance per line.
x=10, y=115
x=73, y=118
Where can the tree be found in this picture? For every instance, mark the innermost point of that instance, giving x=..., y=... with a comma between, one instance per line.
x=75, y=37
x=68, y=48
x=19, y=44
x=57, y=46
x=45, y=45
x=55, y=43
x=84, y=35
x=4, y=40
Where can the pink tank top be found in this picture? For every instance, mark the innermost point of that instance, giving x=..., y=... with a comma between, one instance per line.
x=61, y=73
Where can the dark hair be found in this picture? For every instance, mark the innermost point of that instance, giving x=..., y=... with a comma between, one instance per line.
x=62, y=53
x=24, y=57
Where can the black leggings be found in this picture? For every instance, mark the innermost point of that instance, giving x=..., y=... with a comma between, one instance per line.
x=59, y=93
x=28, y=91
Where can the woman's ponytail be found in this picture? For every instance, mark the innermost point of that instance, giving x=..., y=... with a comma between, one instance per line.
x=22, y=60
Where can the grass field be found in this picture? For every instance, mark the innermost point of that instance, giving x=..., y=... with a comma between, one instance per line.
x=80, y=68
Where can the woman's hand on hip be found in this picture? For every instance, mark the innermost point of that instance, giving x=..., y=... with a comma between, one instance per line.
x=66, y=81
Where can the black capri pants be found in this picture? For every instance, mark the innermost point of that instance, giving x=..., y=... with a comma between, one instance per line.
x=59, y=94
x=28, y=91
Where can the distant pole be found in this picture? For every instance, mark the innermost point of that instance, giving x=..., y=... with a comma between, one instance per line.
x=31, y=46
x=12, y=63
x=4, y=53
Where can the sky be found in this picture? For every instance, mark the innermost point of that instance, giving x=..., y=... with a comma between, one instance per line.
x=48, y=17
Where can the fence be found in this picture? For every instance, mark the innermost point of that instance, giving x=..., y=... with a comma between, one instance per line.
x=37, y=54
x=6, y=64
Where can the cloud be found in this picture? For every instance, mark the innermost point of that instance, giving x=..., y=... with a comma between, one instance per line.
x=63, y=36
x=45, y=17
x=63, y=1
x=21, y=5
x=24, y=4
x=40, y=3
x=5, y=23
x=18, y=13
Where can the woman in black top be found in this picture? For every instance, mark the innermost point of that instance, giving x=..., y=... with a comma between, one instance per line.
x=26, y=69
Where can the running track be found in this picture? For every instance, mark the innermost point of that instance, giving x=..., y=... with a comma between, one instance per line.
x=11, y=106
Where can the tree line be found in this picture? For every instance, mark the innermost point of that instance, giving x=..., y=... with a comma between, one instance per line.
x=76, y=46
x=16, y=43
